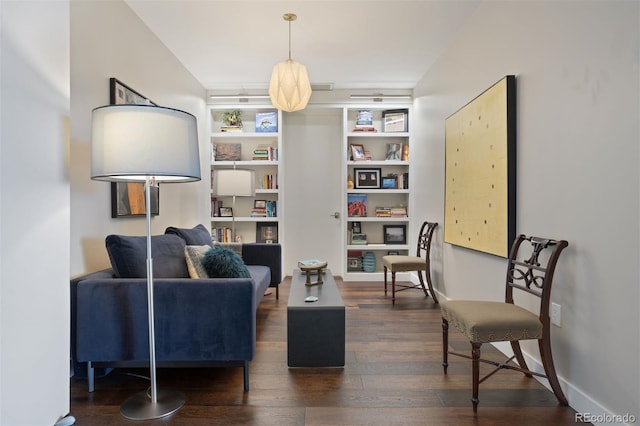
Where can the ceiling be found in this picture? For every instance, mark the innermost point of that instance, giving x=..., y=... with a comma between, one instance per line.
x=353, y=44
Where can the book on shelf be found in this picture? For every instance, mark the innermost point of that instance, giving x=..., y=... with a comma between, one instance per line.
x=269, y=210
x=270, y=181
x=359, y=239
x=266, y=122
x=215, y=206
x=222, y=234
x=383, y=211
x=265, y=152
x=398, y=212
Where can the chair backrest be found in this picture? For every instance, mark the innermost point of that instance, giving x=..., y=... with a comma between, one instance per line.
x=532, y=263
x=424, y=239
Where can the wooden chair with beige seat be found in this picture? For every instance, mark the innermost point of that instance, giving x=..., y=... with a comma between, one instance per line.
x=419, y=263
x=531, y=266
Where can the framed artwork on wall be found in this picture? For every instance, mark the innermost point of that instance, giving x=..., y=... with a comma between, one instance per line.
x=127, y=198
x=480, y=171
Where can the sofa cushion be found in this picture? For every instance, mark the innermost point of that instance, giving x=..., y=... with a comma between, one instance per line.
x=197, y=236
x=128, y=255
x=193, y=255
x=220, y=262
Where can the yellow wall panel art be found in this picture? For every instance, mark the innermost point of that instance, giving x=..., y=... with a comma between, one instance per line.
x=480, y=171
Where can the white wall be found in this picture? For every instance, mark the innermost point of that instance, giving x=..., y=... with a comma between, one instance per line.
x=578, y=107
x=109, y=40
x=34, y=213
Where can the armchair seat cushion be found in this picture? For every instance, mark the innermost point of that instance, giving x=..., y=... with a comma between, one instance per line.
x=404, y=263
x=485, y=321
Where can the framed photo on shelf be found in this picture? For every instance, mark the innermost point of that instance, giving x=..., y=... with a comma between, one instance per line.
x=395, y=120
x=394, y=151
x=225, y=212
x=390, y=182
x=356, y=227
x=395, y=234
x=228, y=152
x=260, y=204
x=267, y=122
x=357, y=152
x=357, y=205
x=267, y=232
x=367, y=178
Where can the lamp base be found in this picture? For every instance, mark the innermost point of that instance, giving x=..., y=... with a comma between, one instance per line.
x=140, y=407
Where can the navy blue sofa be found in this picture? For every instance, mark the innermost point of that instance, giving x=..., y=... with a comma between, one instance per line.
x=198, y=322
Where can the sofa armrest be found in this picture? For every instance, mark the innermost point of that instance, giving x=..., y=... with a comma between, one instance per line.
x=266, y=255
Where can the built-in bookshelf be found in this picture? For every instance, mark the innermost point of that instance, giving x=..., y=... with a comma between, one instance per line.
x=376, y=159
x=255, y=145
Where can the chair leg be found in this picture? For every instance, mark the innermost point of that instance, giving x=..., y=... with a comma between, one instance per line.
x=393, y=288
x=424, y=287
x=515, y=346
x=547, y=362
x=445, y=344
x=475, y=365
x=385, y=280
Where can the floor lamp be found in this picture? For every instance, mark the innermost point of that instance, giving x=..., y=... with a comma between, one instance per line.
x=234, y=183
x=150, y=144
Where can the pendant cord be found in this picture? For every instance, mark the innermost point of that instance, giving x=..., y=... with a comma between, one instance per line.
x=289, y=39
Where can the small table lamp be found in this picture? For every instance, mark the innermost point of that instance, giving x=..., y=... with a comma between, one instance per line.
x=150, y=144
x=234, y=183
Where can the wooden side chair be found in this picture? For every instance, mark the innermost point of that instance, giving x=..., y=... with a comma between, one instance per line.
x=421, y=262
x=531, y=266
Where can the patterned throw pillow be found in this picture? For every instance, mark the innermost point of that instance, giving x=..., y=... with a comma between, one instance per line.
x=220, y=262
x=193, y=256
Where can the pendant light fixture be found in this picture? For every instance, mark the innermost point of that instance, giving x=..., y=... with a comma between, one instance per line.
x=290, y=88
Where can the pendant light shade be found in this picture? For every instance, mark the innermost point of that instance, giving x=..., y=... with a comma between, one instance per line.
x=290, y=88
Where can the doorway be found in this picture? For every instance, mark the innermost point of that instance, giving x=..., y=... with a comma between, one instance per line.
x=313, y=187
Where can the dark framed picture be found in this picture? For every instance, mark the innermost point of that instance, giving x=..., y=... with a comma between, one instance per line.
x=129, y=199
x=357, y=152
x=120, y=93
x=226, y=212
x=367, y=178
x=395, y=120
x=395, y=234
x=260, y=204
x=267, y=232
x=356, y=227
x=389, y=182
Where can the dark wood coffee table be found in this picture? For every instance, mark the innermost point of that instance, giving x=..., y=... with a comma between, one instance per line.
x=315, y=330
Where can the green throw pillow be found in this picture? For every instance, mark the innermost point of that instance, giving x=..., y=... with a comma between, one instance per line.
x=220, y=262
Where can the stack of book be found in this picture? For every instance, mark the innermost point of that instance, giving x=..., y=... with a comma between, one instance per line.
x=383, y=211
x=270, y=209
x=266, y=153
x=398, y=212
x=231, y=129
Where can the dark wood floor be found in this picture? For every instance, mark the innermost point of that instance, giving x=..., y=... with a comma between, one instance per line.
x=393, y=375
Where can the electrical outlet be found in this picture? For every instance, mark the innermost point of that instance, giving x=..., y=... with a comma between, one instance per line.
x=556, y=314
